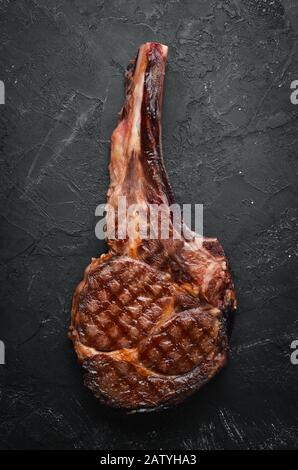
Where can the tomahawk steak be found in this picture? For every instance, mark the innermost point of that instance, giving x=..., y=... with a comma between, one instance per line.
x=151, y=318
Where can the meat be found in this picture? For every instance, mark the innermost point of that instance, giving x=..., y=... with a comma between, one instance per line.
x=151, y=318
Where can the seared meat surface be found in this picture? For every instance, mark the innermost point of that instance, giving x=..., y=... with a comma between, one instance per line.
x=150, y=319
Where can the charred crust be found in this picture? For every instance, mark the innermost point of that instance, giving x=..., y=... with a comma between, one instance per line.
x=151, y=324
x=214, y=247
x=151, y=146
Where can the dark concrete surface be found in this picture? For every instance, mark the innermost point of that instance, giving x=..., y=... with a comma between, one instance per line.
x=230, y=142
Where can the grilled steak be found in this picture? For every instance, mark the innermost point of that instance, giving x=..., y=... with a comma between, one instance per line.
x=150, y=319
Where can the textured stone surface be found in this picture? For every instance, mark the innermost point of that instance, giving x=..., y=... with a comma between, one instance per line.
x=230, y=142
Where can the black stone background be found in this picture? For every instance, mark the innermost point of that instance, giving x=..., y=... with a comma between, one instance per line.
x=230, y=142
